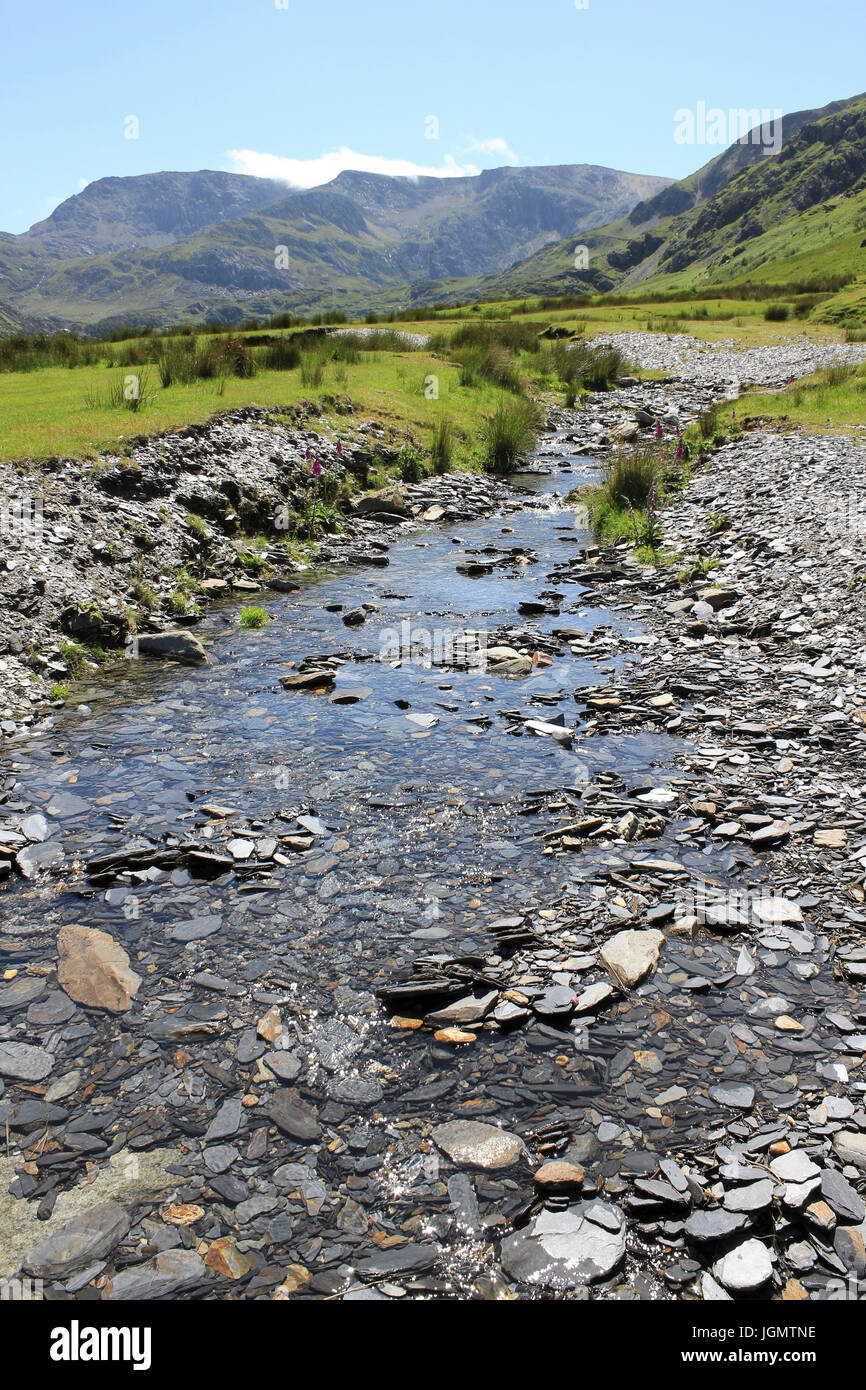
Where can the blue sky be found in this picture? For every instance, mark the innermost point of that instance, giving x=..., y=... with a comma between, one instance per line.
x=249, y=86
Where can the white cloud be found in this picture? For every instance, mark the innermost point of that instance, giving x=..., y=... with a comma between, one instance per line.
x=496, y=146
x=310, y=173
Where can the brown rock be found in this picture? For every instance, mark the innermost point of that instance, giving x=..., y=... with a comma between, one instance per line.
x=558, y=1177
x=225, y=1258
x=94, y=970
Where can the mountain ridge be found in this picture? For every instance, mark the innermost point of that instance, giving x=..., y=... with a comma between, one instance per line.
x=115, y=252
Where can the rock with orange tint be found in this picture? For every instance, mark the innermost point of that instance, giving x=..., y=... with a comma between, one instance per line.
x=296, y=1278
x=225, y=1258
x=94, y=970
x=183, y=1214
x=270, y=1025
x=557, y=1178
x=453, y=1035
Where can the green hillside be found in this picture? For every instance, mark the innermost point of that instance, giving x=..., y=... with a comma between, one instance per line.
x=795, y=221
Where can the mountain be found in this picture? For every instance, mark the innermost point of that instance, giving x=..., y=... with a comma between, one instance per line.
x=794, y=216
x=146, y=210
x=172, y=247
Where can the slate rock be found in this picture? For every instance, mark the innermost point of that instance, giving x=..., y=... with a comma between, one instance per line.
x=404, y=1260
x=23, y=1062
x=166, y=1275
x=841, y=1197
x=848, y=1143
x=88, y=1237
x=567, y=1249
x=294, y=1117
x=744, y=1269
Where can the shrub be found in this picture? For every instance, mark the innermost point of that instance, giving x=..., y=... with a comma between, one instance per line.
x=708, y=422
x=281, y=356
x=144, y=595
x=777, y=313
x=410, y=462
x=312, y=370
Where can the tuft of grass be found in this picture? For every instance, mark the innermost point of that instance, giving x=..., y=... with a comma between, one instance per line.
x=144, y=595
x=74, y=658
x=254, y=617
x=632, y=474
x=509, y=434
x=442, y=447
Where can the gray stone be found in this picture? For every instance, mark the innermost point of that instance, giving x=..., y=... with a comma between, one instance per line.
x=737, y=1095
x=841, y=1197
x=177, y=645
x=295, y=1118
x=167, y=1274
x=744, y=1269
x=703, y=1227
x=477, y=1145
x=86, y=1238
x=848, y=1143
x=567, y=1249
x=23, y=1062
x=227, y=1120
x=795, y=1167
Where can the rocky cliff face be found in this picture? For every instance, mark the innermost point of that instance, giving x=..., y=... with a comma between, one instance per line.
x=148, y=210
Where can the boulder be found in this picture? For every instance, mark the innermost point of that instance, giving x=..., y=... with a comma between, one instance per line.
x=176, y=645
x=388, y=501
x=567, y=1249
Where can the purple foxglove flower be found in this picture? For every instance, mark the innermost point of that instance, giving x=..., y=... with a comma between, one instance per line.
x=316, y=469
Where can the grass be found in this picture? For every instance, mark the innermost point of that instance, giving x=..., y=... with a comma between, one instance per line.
x=479, y=359
x=253, y=618
x=442, y=446
x=509, y=434
x=44, y=413
x=833, y=399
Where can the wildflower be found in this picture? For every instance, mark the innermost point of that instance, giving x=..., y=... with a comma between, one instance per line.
x=660, y=434
x=316, y=469
x=680, y=450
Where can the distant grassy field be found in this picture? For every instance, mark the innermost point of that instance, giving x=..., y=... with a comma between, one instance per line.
x=67, y=411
